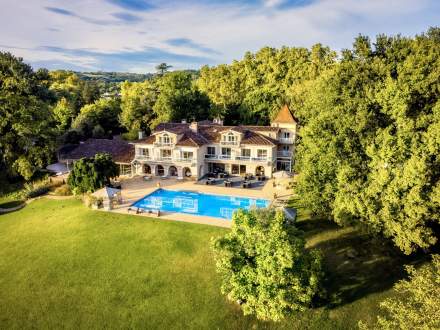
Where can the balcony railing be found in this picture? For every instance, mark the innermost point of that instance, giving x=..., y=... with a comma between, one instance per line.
x=163, y=144
x=284, y=154
x=260, y=159
x=229, y=143
x=238, y=158
x=184, y=160
x=286, y=140
x=165, y=159
x=139, y=156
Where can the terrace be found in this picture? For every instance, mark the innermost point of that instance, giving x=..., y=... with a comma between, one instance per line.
x=137, y=187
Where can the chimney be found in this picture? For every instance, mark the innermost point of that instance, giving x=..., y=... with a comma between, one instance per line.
x=193, y=126
x=140, y=135
x=218, y=121
x=183, y=121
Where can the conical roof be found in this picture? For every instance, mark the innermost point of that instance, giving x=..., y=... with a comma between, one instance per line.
x=284, y=116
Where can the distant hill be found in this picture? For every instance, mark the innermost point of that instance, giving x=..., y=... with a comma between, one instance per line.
x=114, y=76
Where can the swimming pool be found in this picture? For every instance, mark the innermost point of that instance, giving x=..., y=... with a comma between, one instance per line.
x=196, y=203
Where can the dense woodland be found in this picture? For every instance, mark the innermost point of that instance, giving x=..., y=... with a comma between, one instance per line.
x=368, y=146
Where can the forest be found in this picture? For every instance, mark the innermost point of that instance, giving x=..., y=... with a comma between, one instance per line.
x=368, y=146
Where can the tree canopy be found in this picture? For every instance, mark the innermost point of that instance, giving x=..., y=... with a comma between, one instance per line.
x=178, y=98
x=368, y=149
x=26, y=125
x=90, y=174
x=137, y=101
x=101, y=115
x=265, y=267
x=416, y=304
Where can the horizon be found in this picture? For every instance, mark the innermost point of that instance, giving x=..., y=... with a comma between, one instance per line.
x=133, y=36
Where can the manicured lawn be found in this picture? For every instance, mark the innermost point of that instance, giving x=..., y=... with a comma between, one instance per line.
x=64, y=266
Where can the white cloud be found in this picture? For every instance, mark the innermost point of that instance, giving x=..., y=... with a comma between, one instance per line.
x=230, y=29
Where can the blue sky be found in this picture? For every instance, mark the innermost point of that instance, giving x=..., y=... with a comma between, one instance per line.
x=136, y=35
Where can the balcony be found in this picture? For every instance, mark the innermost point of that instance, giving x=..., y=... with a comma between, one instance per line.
x=237, y=158
x=260, y=159
x=284, y=154
x=163, y=144
x=229, y=143
x=143, y=157
x=184, y=160
x=165, y=159
x=286, y=140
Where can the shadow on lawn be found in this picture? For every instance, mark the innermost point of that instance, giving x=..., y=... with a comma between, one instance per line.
x=356, y=264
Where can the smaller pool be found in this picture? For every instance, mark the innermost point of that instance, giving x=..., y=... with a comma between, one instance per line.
x=189, y=202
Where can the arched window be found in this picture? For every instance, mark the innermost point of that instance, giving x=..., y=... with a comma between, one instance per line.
x=166, y=139
x=230, y=137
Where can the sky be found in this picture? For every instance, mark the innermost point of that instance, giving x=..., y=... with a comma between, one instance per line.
x=136, y=35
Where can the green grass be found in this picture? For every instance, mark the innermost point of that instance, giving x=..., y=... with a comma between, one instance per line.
x=64, y=266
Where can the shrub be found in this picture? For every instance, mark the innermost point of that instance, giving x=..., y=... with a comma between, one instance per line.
x=63, y=190
x=89, y=200
x=265, y=267
x=36, y=188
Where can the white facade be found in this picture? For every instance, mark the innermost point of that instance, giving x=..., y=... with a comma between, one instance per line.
x=167, y=153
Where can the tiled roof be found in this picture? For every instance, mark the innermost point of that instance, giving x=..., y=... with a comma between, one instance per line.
x=261, y=128
x=211, y=133
x=177, y=128
x=284, y=116
x=148, y=140
x=258, y=139
x=120, y=150
x=192, y=139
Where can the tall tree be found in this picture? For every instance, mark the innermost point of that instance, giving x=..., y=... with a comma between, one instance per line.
x=26, y=125
x=137, y=101
x=162, y=68
x=63, y=113
x=179, y=99
x=265, y=267
x=368, y=150
x=103, y=113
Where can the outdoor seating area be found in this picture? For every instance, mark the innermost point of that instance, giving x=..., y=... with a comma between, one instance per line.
x=138, y=210
x=246, y=181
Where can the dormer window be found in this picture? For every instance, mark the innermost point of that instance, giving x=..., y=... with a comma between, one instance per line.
x=165, y=139
x=230, y=138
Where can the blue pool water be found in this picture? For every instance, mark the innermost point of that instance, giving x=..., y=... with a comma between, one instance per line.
x=189, y=202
